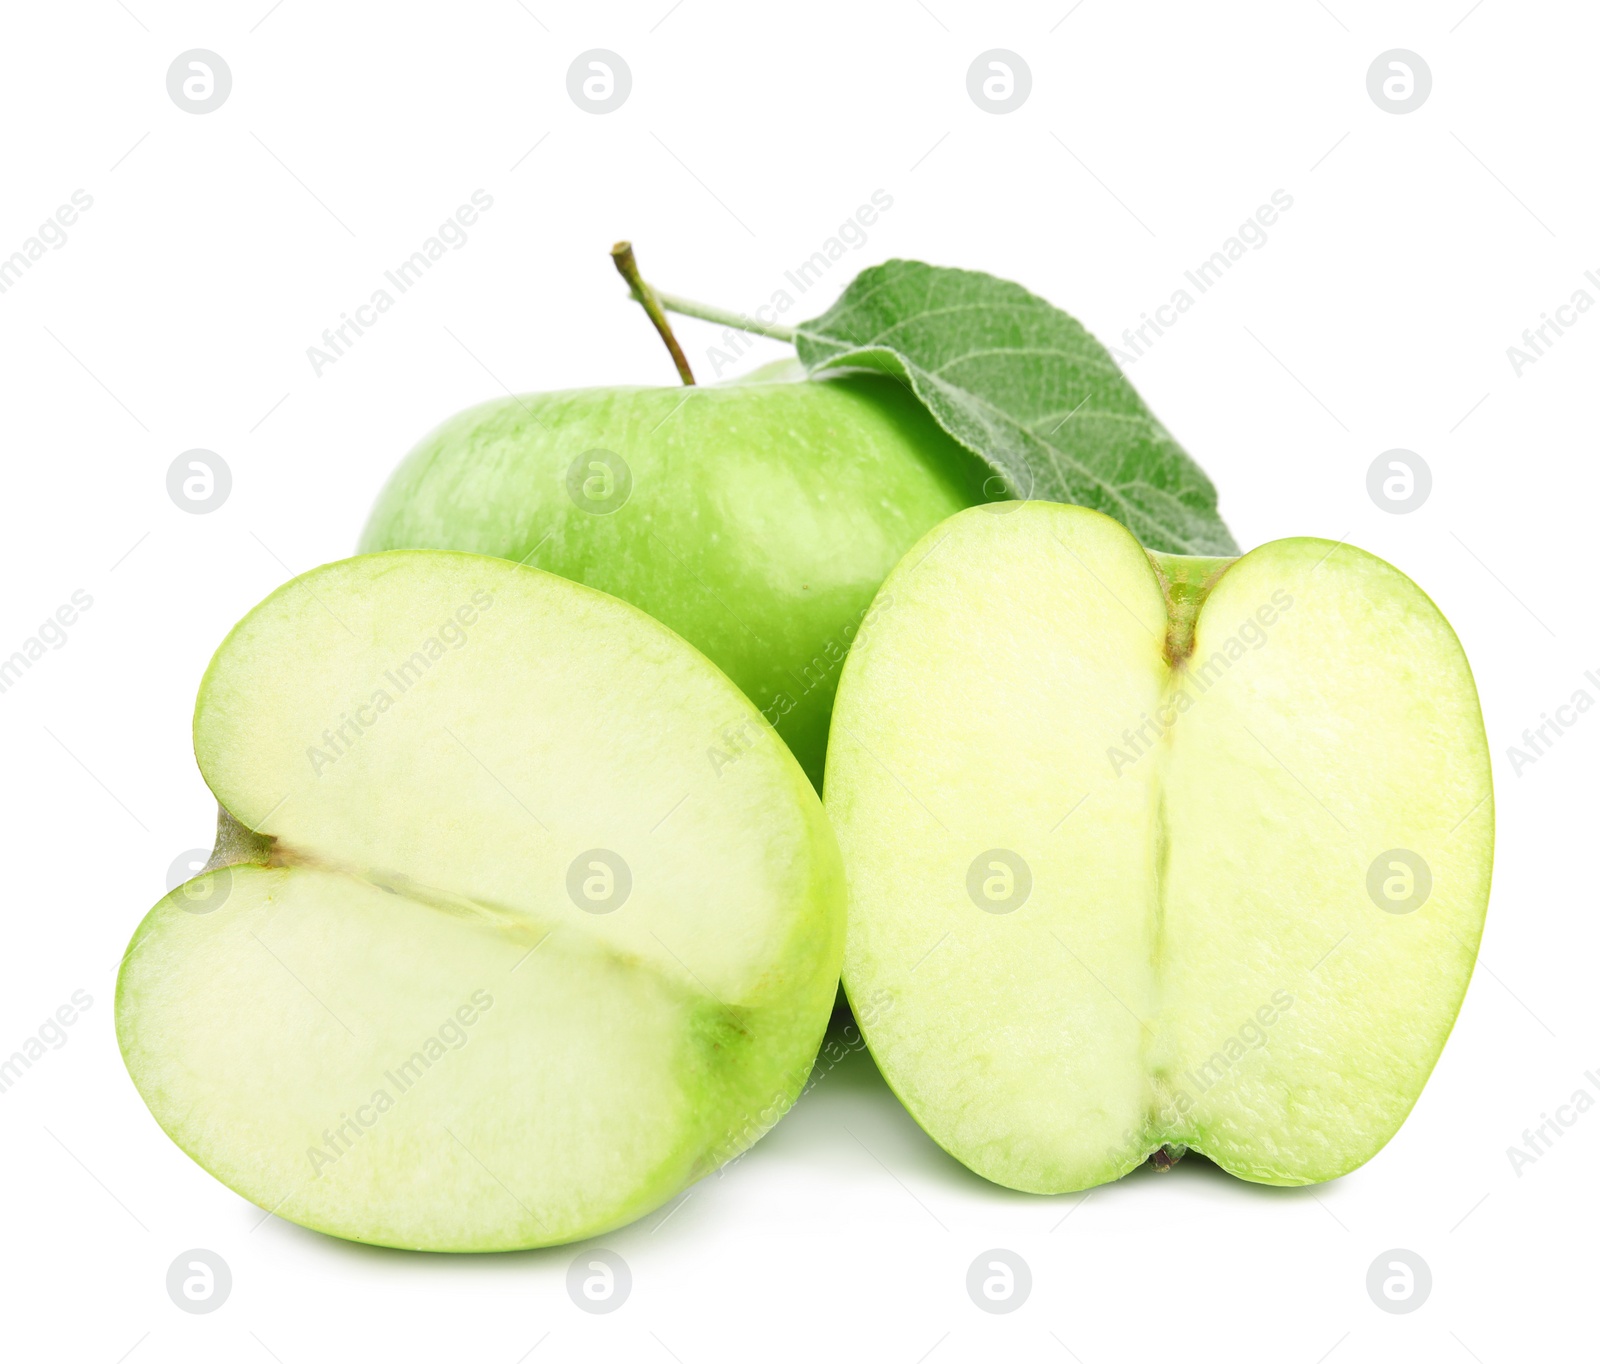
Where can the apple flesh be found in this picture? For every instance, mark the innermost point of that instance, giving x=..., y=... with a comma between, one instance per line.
x=1153, y=853
x=499, y=960
x=756, y=519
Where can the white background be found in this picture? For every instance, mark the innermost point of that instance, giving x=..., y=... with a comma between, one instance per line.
x=218, y=247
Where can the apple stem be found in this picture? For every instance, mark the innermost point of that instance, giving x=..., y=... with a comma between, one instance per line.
x=622, y=257
x=706, y=313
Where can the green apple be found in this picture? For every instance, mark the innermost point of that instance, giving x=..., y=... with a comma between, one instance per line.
x=756, y=519
x=1151, y=852
x=488, y=955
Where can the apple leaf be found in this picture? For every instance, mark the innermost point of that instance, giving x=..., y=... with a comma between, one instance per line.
x=1027, y=389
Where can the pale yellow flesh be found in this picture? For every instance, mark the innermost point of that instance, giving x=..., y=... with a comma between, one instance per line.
x=420, y=867
x=505, y=740
x=1199, y=961
x=336, y=1102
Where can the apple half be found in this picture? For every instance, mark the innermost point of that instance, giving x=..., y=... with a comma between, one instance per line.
x=1151, y=852
x=490, y=955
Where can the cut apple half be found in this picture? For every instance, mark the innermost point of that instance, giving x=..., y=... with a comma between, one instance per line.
x=1152, y=853
x=492, y=953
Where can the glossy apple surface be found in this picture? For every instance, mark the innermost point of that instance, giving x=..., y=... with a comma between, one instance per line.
x=756, y=519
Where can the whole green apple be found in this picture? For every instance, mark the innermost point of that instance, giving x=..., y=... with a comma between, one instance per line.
x=755, y=519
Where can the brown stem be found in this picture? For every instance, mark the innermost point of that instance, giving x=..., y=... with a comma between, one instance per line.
x=628, y=268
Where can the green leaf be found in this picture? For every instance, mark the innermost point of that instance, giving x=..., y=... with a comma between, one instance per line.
x=1026, y=388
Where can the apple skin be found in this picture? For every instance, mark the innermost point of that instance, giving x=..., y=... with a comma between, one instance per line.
x=760, y=521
